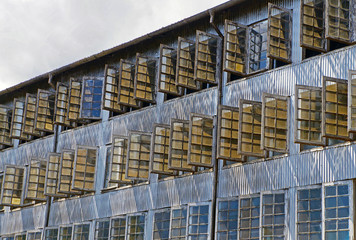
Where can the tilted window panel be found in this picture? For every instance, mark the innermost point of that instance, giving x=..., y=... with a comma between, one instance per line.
x=52, y=175
x=161, y=224
x=159, y=150
x=81, y=231
x=178, y=146
x=273, y=216
x=312, y=25
x=45, y=111
x=74, y=100
x=235, y=48
x=102, y=228
x=51, y=234
x=36, y=180
x=275, y=123
x=179, y=223
x=84, y=168
x=227, y=219
x=185, y=65
x=136, y=226
x=12, y=188
x=338, y=20
x=351, y=117
x=279, y=41
x=65, y=233
x=30, y=116
x=34, y=235
x=118, y=160
x=92, y=94
x=107, y=183
x=127, y=85
x=17, y=126
x=206, y=57
x=137, y=166
x=118, y=228
x=61, y=105
x=145, y=79
x=308, y=115
x=167, y=71
x=201, y=136
x=334, y=114
x=66, y=170
x=258, y=60
x=5, y=125
x=110, y=101
x=250, y=128
x=198, y=224
x=249, y=220
x=1, y=184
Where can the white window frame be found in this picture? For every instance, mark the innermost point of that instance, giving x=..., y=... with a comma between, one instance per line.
x=34, y=232
x=79, y=224
x=111, y=223
x=209, y=217
x=101, y=220
x=217, y=214
x=64, y=226
x=50, y=228
x=127, y=223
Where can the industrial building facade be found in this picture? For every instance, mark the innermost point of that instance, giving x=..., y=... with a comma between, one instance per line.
x=236, y=123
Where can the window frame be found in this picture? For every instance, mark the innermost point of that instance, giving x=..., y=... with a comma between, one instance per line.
x=20, y=234
x=95, y=225
x=50, y=94
x=22, y=136
x=57, y=194
x=12, y=189
x=218, y=200
x=179, y=207
x=50, y=228
x=82, y=98
x=111, y=225
x=64, y=226
x=81, y=224
x=118, y=108
x=107, y=185
x=71, y=191
x=209, y=217
x=64, y=111
x=127, y=236
x=35, y=161
x=34, y=132
x=34, y=232
x=349, y=101
x=9, y=115
x=70, y=104
x=161, y=210
x=250, y=196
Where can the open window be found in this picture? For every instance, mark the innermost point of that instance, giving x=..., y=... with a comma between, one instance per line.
x=75, y=89
x=52, y=175
x=110, y=101
x=107, y=184
x=36, y=180
x=145, y=79
x=258, y=60
x=12, y=188
x=118, y=160
x=61, y=105
x=45, y=111
x=17, y=126
x=92, y=94
x=66, y=172
x=5, y=125
x=338, y=20
x=30, y=116
x=351, y=118
x=137, y=166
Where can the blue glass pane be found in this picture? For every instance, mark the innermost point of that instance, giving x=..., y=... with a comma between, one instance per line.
x=315, y=193
x=330, y=225
x=343, y=224
x=303, y=194
x=330, y=235
x=344, y=235
x=234, y=204
x=303, y=205
x=330, y=202
x=315, y=204
x=343, y=190
x=315, y=216
x=256, y=202
x=343, y=201
x=204, y=209
x=330, y=191
x=315, y=227
x=223, y=205
x=330, y=213
x=343, y=212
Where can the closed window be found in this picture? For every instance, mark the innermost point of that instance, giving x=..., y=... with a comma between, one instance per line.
x=102, y=228
x=198, y=224
x=60, y=110
x=51, y=234
x=118, y=160
x=30, y=116
x=136, y=227
x=5, y=125
x=75, y=89
x=17, y=125
x=110, y=101
x=91, y=98
x=161, y=224
x=34, y=235
x=66, y=173
x=126, y=85
x=227, y=219
x=145, y=79
x=352, y=101
x=273, y=216
x=36, y=180
x=84, y=169
x=21, y=236
x=65, y=233
x=179, y=223
x=249, y=224
x=12, y=189
x=118, y=228
x=45, y=111
x=81, y=232
x=52, y=175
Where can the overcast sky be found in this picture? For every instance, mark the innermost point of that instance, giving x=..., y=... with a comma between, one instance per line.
x=37, y=36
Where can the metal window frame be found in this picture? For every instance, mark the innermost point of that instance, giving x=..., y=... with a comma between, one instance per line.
x=34, y=132
x=152, y=151
x=12, y=189
x=154, y=220
x=75, y=166
x=85, y=78
x=64, y=226
x=81, y=233
x=209, y=217
x=58, y=173
x=277, y=97
x=66, y=122
x=51, y=94
x=213, y=140
x=7, y=236
x=250, y=196
x=9, y=113
x=50, y=228
x=35, y=161
x=70, y=192
x=22, y=136
x=289, y=40
x=34, y=232
x=70, y=104
x=180, y=90
x=127, y=234
x=323, y=128
x=107, y=185
x=20, y=234
x=95, y=225
x=179, y=207
x=349, y=101
x=128, y=156
x=218, y=200
x=111, y=224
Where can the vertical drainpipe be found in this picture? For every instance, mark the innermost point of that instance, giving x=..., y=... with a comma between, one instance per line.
x=216, y=164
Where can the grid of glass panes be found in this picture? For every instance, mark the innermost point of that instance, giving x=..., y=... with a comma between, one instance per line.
x=167, y=73
x=352, y=101
x=81, y=232
x=161, y=224
x=34, y=235
x=66, y=172
x=250, y=128
x=337, y=212
x=36, y=181
x=335, y=108
x=200, y=148
x=102, y=228
x=136, y=227
x=308, y=115
x=11, y=237
x=178, y=147
x=159, y=154
x=74, y=100
x=118, y=228
x=30, y=115
x=51, y=234
x=338, y=20
x=84, y=169
x=91, y=98
x=227, y=219
x=61, y=105
x=137, y=166
x=11, y=193
x=52, y=175
x=249, y=223
x=118, y=160
x=312, y=20
x=258, y=47
x=273, y=216
x=45, y=111
x=179, y=224
x=198, y=224
x=275, y=122
x=279, y=25
x=185, y=64
x=111, y=90
x=17, y=121
x=107, y=183
x=235, y=54
x=206, y=57
x=145, y=78
x=127, y=85
x=5, y=125
x=65, y=233
x=20, y=237
x=309, y=213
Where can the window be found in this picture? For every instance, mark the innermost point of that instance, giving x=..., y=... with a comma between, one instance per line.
x=235, y=46
x=198, y=224
x=308, y=112
x=178, y=147
x=91, y=98
x=8, y=237
x=11, y=194
x=36, y=180
x=81, y=232
x=179, y=223
x=207, y=47
x=338, y=20
x=52, y=175
x=110, y=101
x=159, y=152
x=45, y=111
x=21, y=236
x=74, y=100
x=161, y=224
x=61, y=105
x=334, y=113
x=136, y=227
x=65, y=233
x=30, y=116
x=126, y=85
x=5, y=125
x=185, y=65
x=34, y=236
x=118, y=160
x=84, y=169
x=102, y=230
x=273, y=216
x=249, y=142
x=118, y=228
x=200, y=150
x=258, y=60
x=51, y=234
x=1, y=184
x=249, y=224
x=107, y=183
x=167, y=71
x=351, y=117
x=145, y=79
x=227, y=219
x=17, y=121
x=275, y=124
x=66, y=172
